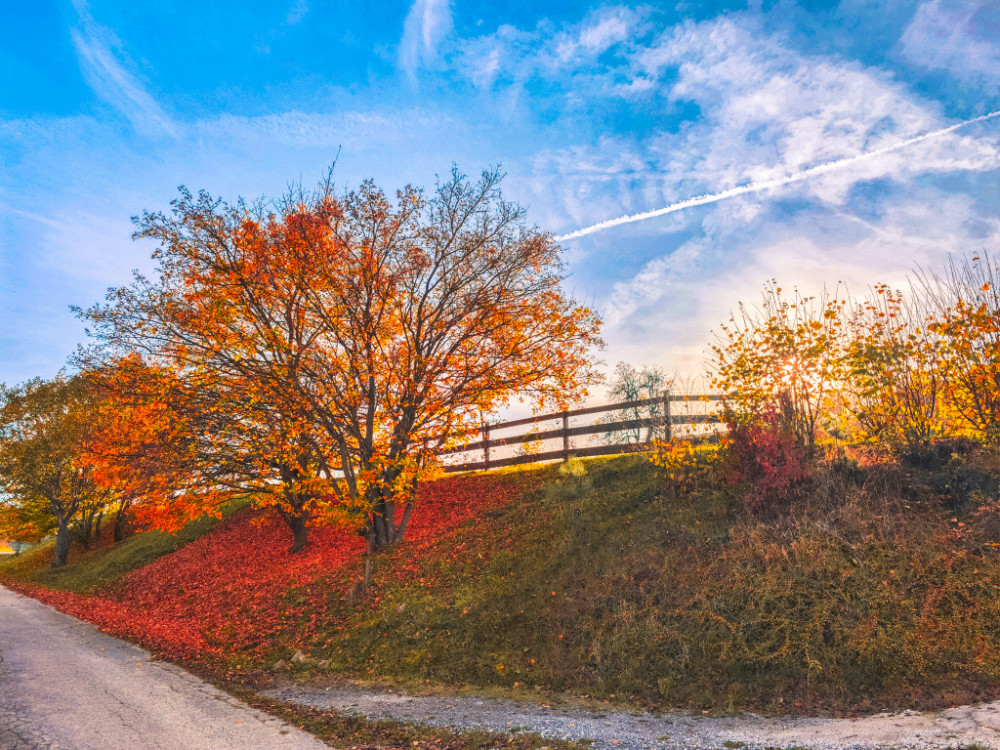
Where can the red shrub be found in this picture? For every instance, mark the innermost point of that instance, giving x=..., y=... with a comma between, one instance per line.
x=765, y=455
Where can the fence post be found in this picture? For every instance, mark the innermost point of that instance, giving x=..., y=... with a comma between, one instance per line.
x=565, y=435
x=666, y=416
x=486, y=445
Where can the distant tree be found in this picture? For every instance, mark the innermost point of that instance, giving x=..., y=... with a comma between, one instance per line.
x=44, y=427
x=17, y=526
x=329, y=343
x=631, y=384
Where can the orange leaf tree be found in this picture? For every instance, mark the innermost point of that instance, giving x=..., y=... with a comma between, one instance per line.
x=895, y=369
x=144, y=447
x=331, y=342
x=967, y=320
x=44, y=427
x=17, y=525
x=783, y=356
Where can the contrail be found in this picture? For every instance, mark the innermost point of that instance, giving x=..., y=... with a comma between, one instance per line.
x=753, y=187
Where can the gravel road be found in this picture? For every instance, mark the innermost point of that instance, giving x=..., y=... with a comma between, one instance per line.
x=66, y=686
x=954, y=728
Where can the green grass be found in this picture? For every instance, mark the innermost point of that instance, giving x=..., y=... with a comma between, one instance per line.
x=875, y=589
x=868, y=593
x=103, y=566
x=30, y=559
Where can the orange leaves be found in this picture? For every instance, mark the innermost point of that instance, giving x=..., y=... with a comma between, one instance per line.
x=783, y=355
x=315, y=346
x=898, y=367
x=17, y=527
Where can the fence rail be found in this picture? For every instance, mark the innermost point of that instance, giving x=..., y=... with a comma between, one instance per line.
x=666, y=421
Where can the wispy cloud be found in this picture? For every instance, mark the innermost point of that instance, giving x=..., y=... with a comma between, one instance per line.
x=105, y=65
x=319, y=130
x=665, y=312
x=767, y=114
x=755, y=187
x=570, y=55
x=958, y=36
x=297, y=12
x=427, y=24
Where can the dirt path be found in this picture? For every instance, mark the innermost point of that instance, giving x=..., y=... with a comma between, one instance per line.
x=953, y=728
x=66, y=686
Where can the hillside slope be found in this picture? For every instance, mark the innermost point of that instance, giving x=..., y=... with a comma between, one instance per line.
x=880, y=589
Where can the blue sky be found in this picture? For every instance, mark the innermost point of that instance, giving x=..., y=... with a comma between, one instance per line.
x=594, y=112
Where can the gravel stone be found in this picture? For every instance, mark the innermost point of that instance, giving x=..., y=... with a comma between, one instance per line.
x=611, y=730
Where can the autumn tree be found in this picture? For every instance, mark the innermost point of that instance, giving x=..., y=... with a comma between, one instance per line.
x=180, y=438
x=19, y=526
x=895, y=368
x=44, y=426
x=331, y=342
x=142, y=448
x=783, y=356
x=966, y=303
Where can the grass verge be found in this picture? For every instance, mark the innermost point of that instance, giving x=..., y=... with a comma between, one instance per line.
x=104, y=565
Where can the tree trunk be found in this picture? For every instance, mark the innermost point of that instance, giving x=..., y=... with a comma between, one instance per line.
x=97, y=526
x=401, y=532
x=369, y=550
x=63, y=540
x=383, y=533
x=121, y=522
x=87, y=528
x=296, y=520
x=300, y=534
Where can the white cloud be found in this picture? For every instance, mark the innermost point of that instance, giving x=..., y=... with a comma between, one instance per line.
x=955, y=35
x=508, y=54
x=427, y=24
x=104, y=64
x=320, y=130
x=597, y=34
x=669, y=307
x=766, y=111
x=571, y=55
x=297, y=12
x=572, y=186
x=818, y=171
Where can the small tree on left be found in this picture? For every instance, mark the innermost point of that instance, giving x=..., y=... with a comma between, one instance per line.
x=44, y=428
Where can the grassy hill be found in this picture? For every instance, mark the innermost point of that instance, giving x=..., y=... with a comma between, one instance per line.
x=878, y=587
x=105, y=563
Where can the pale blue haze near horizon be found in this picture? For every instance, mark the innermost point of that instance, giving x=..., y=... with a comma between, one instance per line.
x=594, y=111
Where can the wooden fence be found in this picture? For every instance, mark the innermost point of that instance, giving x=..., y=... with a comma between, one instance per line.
x=664, y=422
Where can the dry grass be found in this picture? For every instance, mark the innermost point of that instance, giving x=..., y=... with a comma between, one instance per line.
x=877, y=588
